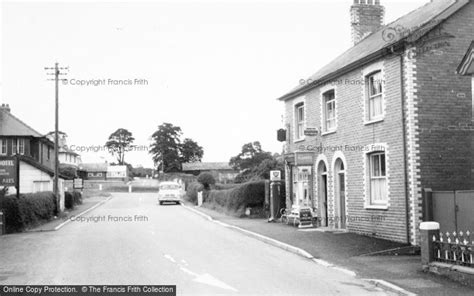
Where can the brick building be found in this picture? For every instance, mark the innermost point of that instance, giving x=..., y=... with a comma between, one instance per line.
x=393, y=117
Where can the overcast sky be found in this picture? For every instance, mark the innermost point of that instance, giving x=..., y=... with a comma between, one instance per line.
x=213, y=68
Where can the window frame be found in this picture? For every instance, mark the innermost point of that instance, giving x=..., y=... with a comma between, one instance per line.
x=366, y=73
x=299, y=122
x=3, y=145
x=378, y=96
x=326, y=102
x=382, y=175
x=21, y=146
x=14, y=146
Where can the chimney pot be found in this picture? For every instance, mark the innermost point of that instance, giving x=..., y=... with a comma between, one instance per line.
x=5, y=107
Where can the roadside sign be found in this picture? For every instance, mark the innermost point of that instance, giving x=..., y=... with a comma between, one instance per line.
x=275, y=175
x=311, y=132
x=304, y=158
x=8, y=172
x=78, y=183
x=306, y=218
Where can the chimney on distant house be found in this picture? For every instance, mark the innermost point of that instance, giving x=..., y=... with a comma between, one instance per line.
x=367, y=16
x=5, y=107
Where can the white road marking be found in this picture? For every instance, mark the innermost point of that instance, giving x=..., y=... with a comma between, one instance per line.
x=188, y=271
x=206, y=278
x=212, y=281
x=170, y=258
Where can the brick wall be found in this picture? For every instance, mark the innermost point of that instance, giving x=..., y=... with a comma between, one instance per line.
x=445, y=106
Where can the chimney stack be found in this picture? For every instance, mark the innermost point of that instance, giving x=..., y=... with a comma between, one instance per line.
x=367, y=16
x=5, y=107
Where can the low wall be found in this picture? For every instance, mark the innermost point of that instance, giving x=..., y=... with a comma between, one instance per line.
x=461, y=274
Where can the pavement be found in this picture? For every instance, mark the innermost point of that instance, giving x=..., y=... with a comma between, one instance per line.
x=130, y=240
x=349, y=252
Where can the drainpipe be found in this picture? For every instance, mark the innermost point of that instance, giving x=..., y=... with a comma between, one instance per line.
x=407, y=197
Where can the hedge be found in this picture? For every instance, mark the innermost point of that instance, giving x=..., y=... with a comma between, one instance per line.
x=28, y=210
x=191, y=192
x=251, y=194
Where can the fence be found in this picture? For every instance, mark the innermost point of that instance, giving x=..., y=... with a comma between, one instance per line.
x=454, y=248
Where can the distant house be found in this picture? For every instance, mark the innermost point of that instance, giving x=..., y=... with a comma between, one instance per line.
x=34, y=152
x=118, y=172
x=222, y=171
x=66, y=156
x=93, y=171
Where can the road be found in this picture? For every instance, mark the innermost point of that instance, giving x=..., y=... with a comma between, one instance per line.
x=164, y=245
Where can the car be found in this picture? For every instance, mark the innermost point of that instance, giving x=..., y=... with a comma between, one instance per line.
x=170, y=192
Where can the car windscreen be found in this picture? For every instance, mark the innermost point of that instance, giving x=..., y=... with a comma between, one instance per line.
x=169, y=187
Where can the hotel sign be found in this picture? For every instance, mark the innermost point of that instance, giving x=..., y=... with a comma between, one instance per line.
x=8, y=172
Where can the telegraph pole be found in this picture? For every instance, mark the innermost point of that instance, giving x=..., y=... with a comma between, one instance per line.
x=57, y=73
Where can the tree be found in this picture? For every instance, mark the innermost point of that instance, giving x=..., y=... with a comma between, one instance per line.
x=191, y=151
x=206, y=179
x=68, y=171
x=166, y=147
x=168, y=152
x=250, y=156
x=119, y=142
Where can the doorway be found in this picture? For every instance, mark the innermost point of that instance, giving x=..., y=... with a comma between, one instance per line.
x=322, y=193
x=340, y=193
x=301, y=179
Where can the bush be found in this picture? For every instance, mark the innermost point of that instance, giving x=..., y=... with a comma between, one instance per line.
x=206, y=179
x=77, y=197
x=251, y=194
x=192, y=191
x=72, y=199
x=28, y=210
x=68, y=200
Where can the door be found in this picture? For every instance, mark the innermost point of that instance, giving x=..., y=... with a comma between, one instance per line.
x=342, y=199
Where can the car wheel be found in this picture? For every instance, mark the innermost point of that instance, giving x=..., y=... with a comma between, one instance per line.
x=161, y=203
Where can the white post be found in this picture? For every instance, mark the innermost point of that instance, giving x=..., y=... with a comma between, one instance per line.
x=100, y=187
x=129, y=188
x=199, y=198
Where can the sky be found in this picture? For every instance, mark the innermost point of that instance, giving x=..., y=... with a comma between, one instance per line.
x=213, y=68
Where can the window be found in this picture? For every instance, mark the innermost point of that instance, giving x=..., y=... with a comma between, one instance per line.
x=329, y=114
x=39, y=186
x=49, y=153
x=21, y=146
x=14, y=146
x=3, y=147
x=378, y=178
x=374, y=96
x=299, y=121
